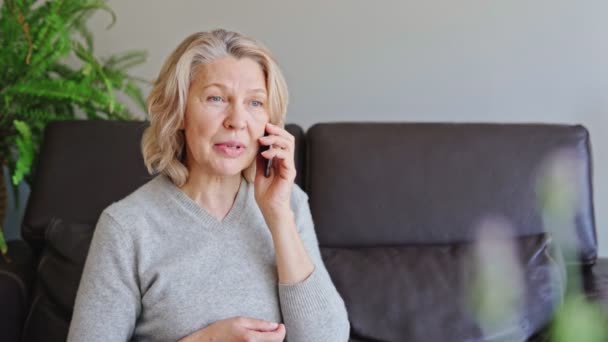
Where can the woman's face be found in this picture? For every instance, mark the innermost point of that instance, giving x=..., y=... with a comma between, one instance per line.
x=226, y=113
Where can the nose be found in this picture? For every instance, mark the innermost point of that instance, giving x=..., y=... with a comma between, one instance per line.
x=236, y=118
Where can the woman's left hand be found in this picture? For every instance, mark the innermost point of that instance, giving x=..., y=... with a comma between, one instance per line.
x=273, y=193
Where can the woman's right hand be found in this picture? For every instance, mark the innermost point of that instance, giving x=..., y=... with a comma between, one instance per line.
x=239, y=329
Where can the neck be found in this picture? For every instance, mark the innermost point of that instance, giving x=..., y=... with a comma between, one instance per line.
x=216, y=194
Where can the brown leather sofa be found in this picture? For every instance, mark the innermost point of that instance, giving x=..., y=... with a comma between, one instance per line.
x=396, y=208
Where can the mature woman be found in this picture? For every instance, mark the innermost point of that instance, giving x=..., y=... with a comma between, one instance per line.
x=211, y=249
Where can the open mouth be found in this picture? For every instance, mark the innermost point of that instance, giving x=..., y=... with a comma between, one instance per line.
x=234, y=147
x=230, y=150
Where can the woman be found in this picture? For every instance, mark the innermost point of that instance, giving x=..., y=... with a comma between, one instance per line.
x=211, y=249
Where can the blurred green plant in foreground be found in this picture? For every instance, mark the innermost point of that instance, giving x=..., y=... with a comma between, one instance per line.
x=498, y=285
x=559, y=190
x=498, y=292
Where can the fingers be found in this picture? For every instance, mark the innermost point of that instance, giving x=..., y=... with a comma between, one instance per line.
x=277, y=335
x=257, y=324
x=282, y=144
x=282, y=150
x=276, y=130
x=277, y=141
x=278, y=153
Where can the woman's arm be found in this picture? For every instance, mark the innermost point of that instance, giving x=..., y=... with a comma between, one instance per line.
x=108, y=298
x=293, y=263
x=312, y=308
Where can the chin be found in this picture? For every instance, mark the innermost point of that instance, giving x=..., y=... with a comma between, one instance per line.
x=231, y=170
x=231, y=167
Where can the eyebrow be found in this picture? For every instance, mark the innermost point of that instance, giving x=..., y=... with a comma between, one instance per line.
x=221, y=86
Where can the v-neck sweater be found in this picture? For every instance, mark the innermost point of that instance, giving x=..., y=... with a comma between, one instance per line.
x=160, y=267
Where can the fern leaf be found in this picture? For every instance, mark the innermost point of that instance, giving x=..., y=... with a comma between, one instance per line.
x=86, y=56
x=3, y=246
x=87, y=8
x=25, y=149
x=135, y=93
x=65, y=90
x=126, y=60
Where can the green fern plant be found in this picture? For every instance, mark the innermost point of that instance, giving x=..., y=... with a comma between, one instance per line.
x=38, y=86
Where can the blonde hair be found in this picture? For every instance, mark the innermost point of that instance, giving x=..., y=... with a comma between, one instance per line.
x=163, y=142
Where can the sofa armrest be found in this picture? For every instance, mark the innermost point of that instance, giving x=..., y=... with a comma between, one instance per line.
x=595, y=282
x=16, y=279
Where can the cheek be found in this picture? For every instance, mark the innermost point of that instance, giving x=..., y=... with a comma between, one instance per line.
x=195, y=131
x=198, y=138
x=259, y=123
x=202, y=114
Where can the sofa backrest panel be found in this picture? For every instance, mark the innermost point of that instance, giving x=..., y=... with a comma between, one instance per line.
x=84, y=166
x=375, y=184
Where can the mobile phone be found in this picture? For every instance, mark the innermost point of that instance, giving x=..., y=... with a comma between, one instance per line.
x=267, y=162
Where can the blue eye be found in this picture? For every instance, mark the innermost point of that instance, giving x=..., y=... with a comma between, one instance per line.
x=256, y=103
x=215, y=98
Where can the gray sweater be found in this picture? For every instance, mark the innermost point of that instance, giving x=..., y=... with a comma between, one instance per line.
x=160, y=267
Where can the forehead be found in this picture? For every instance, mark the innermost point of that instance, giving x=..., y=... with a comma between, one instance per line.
x=231, y=72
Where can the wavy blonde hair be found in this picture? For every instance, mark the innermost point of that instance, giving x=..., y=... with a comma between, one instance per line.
x=163, y=141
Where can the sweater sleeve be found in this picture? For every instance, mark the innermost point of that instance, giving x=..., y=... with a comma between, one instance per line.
x=108, y=298
x=312, y=309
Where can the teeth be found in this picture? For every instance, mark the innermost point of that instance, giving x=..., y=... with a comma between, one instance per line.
x=238, y=147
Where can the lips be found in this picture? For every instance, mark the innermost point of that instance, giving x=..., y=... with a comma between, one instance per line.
x=230, y=149
x=232, y=143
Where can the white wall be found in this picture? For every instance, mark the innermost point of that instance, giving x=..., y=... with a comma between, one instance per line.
x=426, y=60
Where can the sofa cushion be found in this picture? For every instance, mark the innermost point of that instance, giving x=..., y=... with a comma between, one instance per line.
x=426, y=292
x=16, y=278
x=45, y=322
x=59, y=273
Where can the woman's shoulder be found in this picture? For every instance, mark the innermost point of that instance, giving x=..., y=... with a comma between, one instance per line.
x=145, y=200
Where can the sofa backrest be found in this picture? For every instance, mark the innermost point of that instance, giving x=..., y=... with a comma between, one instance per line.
x=394, y=205
x=84, y=166
x=383, y=184
x=397, y=207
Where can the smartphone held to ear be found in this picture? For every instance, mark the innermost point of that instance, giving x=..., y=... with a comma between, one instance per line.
x=267, y=162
